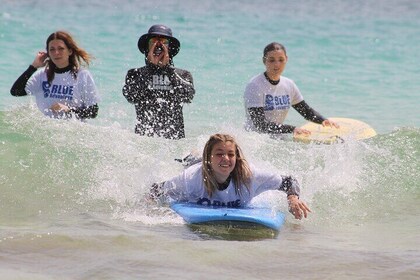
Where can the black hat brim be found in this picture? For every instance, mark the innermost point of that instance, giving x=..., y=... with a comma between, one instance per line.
x=174, y=44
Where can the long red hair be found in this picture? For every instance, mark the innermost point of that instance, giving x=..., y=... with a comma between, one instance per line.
x=78, y=57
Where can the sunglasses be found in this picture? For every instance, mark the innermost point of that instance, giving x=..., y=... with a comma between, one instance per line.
x=163, y=41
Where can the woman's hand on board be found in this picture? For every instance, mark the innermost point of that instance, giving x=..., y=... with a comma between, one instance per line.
x=298, y=208
x=330, y=123
x=298, y=131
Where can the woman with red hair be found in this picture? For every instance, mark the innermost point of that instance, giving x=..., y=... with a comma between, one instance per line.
x=61, y=87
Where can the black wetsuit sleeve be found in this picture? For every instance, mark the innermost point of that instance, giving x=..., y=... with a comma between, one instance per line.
x=182, y=81
x=89, y=112
x=18, y=88
x=308, y=113
x=264, y=126
x=135, y=85
x=290, y=186
x=156, y=190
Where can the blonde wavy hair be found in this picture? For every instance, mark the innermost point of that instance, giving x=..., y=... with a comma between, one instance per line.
x=241, y=174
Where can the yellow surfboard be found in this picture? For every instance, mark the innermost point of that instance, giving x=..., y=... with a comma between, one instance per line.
x=349, y=129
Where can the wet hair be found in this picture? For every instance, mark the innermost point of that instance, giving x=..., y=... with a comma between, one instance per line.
x=77, y=58
x=271, y=47
x=241, y=174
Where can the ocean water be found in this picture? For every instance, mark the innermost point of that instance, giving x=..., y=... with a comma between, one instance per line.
x=71, y=193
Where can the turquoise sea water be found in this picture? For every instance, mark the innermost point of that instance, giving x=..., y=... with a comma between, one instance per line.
x=71, y=193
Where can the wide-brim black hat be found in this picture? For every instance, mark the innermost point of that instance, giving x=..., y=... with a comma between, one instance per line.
x=160, y=31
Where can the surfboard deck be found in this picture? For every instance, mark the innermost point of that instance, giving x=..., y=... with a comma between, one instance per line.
x=235, y=217
x=349, y=129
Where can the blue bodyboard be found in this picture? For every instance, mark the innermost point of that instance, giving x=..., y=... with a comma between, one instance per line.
x=198, y=214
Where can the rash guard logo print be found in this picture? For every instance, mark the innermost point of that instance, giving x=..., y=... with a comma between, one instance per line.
x=281, y=102
x=161, y=82
x=57, y=91
x=46, y=89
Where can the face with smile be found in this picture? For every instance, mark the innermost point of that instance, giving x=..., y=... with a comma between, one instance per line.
x=275, y=62
x=59, y=53
x=223, y=160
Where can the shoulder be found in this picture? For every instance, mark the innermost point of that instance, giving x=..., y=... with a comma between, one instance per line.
x=289, y=85
x=181, y=71
x=84, y=72
x=39, y=72
x=134, y=70
x=257, y=79
x=138, y=70
x=287, y=81
x=254, y=168
x=263, y=173
x=194, y=170
x=84, y=75
x=255, y=86
x=191, y=176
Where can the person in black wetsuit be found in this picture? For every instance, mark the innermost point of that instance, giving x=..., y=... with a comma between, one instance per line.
x=159, y=90
x=269, y=96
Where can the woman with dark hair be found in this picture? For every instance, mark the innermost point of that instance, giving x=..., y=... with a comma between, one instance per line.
x=61, y=88
x=269, y=96
x=224, y=178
